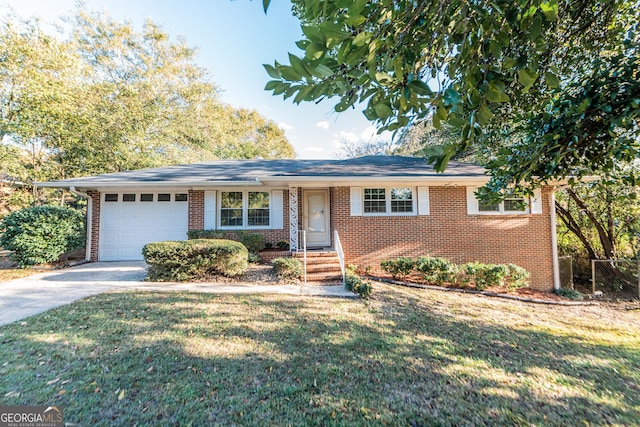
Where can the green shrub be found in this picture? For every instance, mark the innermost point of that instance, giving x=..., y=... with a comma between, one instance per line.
x=517, y=277
x=205, y=234
x=40, y=234
x=194, y=259
x=569, y=293
x=399, y=267
x=484, y=275
x=356, y=284
x=254, y=242
x=288, y=268
x=283, y=245
x=437, y=270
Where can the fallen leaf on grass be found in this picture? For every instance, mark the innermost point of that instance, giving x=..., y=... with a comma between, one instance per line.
x=121, y=395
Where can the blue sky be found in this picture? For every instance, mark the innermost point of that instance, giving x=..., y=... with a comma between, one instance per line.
x=234, y=38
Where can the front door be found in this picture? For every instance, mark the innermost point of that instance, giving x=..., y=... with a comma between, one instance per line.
x=315, y=211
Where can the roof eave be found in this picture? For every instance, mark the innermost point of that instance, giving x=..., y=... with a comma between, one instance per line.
x=145, y=184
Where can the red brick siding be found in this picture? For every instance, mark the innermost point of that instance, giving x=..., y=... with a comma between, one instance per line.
x=196, y=218
x=449, y=232
x=196, y=210
x=95, y=223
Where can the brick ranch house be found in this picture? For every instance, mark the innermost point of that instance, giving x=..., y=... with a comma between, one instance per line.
x=381, y=207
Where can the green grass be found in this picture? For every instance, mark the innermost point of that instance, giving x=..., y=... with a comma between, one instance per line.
x=405, y=357
x=16, y=273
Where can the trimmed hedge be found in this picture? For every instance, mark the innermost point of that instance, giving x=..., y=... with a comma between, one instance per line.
x=40, y=234
x=254, y=242
x=440, y=271
x=288, y=269
x=399, y=267
x=437, y=270
x=194, y=259
x=354, y=283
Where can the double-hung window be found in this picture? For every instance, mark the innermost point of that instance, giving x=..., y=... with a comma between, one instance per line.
x=510, y=205
x=244, y=209
x=390, y=201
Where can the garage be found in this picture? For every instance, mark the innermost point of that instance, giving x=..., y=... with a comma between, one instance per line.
x=128, y=221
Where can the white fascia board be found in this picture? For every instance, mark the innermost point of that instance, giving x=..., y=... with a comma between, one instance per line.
x=127, y=185
x=348, y=181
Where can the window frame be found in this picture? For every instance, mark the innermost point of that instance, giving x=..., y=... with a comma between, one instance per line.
x=475, y=208
x=245, y=210
x=388, y=192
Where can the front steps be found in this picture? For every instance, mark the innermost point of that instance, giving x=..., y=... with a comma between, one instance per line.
x=323, y=267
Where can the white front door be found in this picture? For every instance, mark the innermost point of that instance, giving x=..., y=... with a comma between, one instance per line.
x=315, y=211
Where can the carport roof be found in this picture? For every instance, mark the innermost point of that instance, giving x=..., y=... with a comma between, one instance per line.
x=247, y=172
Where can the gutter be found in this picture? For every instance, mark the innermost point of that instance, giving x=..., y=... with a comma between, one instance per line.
x=554, y=239
x=72, y=189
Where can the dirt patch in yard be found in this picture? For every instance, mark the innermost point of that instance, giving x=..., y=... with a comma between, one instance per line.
x=256, y=274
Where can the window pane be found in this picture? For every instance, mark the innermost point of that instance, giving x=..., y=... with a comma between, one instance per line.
x=231, y=217
x=231, y=209
x=375, y=200
x=146, y=197
x=514, y=205
x=128, y=197
x=110, y=197
x=484, y=206
x=258, y=200
x=258, y=212
x=401, y=200
x=231, y=199
x=180, y=197
x=164, y=197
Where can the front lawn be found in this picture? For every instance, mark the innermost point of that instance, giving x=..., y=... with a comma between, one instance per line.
x=406, y=357
x=7, y=274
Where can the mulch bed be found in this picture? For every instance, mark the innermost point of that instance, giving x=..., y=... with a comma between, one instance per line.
x=523, y=294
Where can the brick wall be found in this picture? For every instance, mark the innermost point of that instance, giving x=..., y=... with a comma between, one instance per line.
x=196, y=210
x=196, y=218
x=95, y=223
x=449, y=232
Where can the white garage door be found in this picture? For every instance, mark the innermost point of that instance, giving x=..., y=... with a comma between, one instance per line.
x=128, y=221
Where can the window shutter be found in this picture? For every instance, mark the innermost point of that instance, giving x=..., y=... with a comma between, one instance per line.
x=536, y=202
x=210, y=210
x=356, y=201
x=277, y=209
x=472, y=202
x=423, y=201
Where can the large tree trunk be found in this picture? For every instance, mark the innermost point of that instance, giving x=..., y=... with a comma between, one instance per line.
x=605, y=233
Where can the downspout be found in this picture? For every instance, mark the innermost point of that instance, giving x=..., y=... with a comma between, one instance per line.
x=554, y=240
x=72, y=189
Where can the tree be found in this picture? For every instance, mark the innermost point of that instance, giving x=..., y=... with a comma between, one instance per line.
x=603, y=217
x=495, y=70
x=107, y=98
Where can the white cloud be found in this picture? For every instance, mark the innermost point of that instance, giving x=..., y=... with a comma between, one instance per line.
x=314, y=149
x=368, y=134
x=285, y=126
x=323, y=124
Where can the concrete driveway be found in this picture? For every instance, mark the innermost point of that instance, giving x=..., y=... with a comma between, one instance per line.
x=35, y=294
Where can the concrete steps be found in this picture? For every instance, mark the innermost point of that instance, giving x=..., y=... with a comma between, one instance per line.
x=323, y=267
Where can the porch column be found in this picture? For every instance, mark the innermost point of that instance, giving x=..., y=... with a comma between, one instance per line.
x=293, y=218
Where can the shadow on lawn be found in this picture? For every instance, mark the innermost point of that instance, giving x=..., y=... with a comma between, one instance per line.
x=272, y=360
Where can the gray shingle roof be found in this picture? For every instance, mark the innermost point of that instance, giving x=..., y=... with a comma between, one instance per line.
x=286, y=170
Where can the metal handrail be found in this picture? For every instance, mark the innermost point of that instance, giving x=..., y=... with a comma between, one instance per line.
x=338, y=245
x=303, y=234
